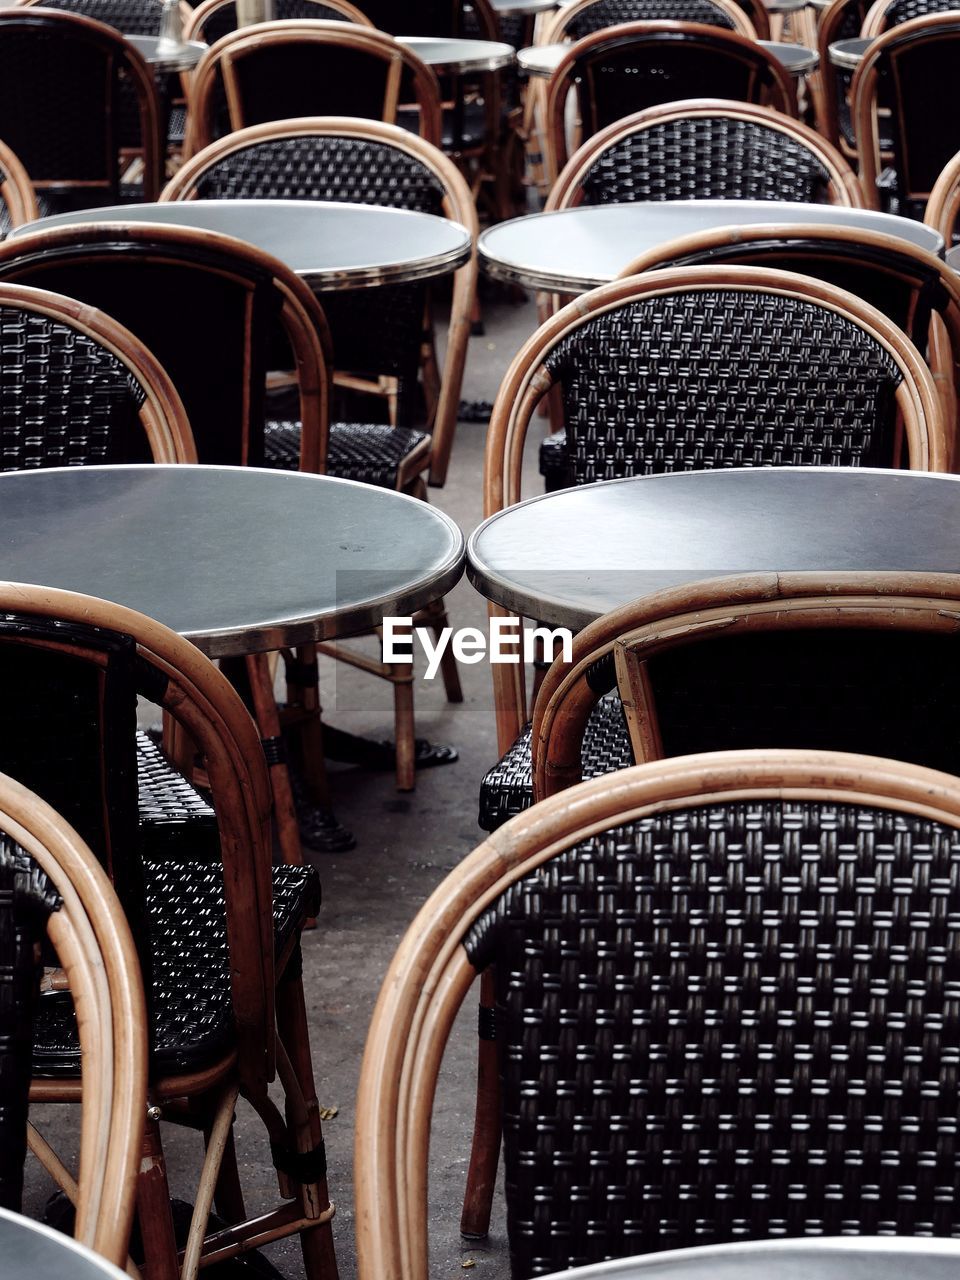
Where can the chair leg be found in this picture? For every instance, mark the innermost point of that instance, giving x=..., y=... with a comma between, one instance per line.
x=153, y=1209
x=268, y=722
x=228, y=1197
x=404, y=730
x=485, y=1152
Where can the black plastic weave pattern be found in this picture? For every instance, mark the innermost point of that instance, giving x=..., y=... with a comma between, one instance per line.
x=174, y=816
x=706, y=158
x=721, y=378
x=224, y=20
x=903, y=10
x=369, y=452
x=507, y=788
x=129, y=17
x=26, y=899
x=729, y=1022
x=611, y=13
x=64, y=400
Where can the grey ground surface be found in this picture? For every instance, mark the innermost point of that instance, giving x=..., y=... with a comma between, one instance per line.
x=406, y=843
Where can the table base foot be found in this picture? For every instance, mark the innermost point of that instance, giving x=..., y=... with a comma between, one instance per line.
x=320, y=830
x=348, y=748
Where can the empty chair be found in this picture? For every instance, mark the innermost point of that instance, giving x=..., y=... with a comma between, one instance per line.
x=884, y=14
x=914, y=62
x=61, y=101
x=686, y=959
x=276, y=71
x=620, y=70
x=215, y=18
x=130, y=17
x=584, y=17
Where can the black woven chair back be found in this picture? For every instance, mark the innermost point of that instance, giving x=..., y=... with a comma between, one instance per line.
x=637, y=71
x=610, y=13
x=26, y=899
x=727, y=1022
x=223, y=20
x=915, y=81
x=66, y=104
x=211, y=319
x=440, y=18
x=130, y=17
x=706, y=158
x=376, y=331
x=903, y=10
x=696, y=380
x=64, y=400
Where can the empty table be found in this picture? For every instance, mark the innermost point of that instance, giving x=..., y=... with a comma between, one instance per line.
x=520, y=8
x=849, y=53
x=837, y=1258
x=543, y=59
x=332, y=246
x=460, y=57
x=576, y=249
x=183, y=58
x=32, y=1251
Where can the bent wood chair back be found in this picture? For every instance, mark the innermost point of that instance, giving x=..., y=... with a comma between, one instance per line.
x=620, y=70
x=687, y=955
x=129, y=17
x=83, y=388
x=884, y=14
x=943, y=207
x=376, y=331
x=50, y=882
x=911, y=64
x=212, y=308
x=762, y=661
x=706, y=149
x=19, y=200
x=61, y=95
x=584, y=17
x=213, y=19
x=276, y=71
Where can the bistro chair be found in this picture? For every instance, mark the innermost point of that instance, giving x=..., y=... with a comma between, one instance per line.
x=378, y=334
x=620, y=70
x=218, y=936
x=129, y=17
x=884, y=14
x=275, y=71
x=943, y=207
x=18, y=200
x=841, y=20
x=52, y=886
x=913, y=62
x=62, y=104
x=215, y=18
x=688, y=957
x=584, y=17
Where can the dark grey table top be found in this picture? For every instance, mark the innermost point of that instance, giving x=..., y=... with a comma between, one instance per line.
x=332, y=246
x=953, y=258
x=576, y=249
x=511, y=8
x=838, y=1258
x=570, y=556
x=31, y=1251
x=237, y=559
x=458, y=57
x=849, y=53
x=182, y=58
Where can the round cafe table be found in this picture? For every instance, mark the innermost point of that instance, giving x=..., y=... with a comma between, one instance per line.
x=183, y=58
x=543, y=59
x=826, y=1258
x=31, y=1251
x=572, y=250
x=332, y=246
x=520, y=8
x=849, y=53
x=460, y=57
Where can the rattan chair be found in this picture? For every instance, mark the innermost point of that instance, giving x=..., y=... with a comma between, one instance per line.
x=61, y=100
x=914, y=62
x=377, y=333
x=50, y=883
x=841, y=20
x=717, y=979
x=884, y=14
x=215, y=18
x=584, y=17
x=129, y=17
x=18, y=200
x=943, y=207
x=276, y=71
x=218, y=936
x=620, y=70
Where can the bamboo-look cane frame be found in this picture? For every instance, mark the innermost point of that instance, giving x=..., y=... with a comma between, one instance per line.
x=16, y=189
x=137, y=69
x=567, y=191
x=943, y=359
x=558, y=24
x=875, y=20
x=561, y=82
x=198, y=17
x=943, y=207
x=864, y=90
x=301, y=315
x=98, y=956
x=742, y=603
x=430, y=973
x=162, y=415
x=220, y=57
x=458, y=205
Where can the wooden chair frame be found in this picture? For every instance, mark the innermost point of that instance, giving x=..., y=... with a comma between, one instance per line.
x=943, y=207
x=270, y=1020
x=864, y=95
x=562, y=81
x=430, y=974
x=567, y=191
x=558, y=24
x=742, y=604
x=458, y=205
x=16, y=189
x=162, y=415
x=943, y=357
x=139, y=74
x=220, y=58
x=197, y=18
x=99, y=961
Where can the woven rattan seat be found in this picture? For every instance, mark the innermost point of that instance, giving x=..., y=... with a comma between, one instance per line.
x=189, y=996
x=507, y=788
x=369, y=452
